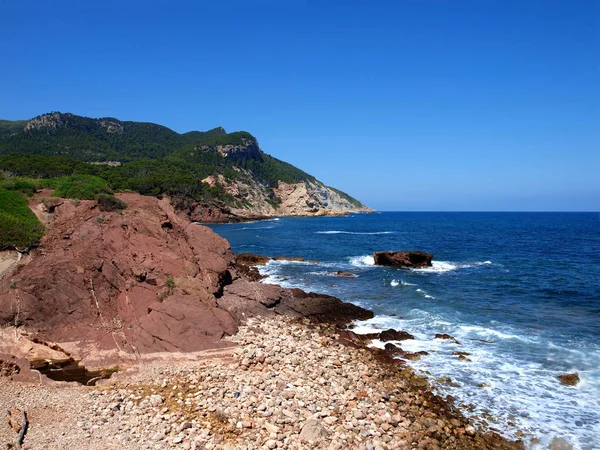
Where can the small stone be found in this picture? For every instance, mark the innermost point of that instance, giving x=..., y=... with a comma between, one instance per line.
x=271, y=428
x=358, y=414
x=312, y=430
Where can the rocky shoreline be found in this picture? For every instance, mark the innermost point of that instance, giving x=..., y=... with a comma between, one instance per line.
x=207, y=356
x=288, y=383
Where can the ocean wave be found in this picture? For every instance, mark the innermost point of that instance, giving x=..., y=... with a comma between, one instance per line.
x=425, y=294
x=479, y=332
x=354, y=232
x=394, y=283
x=438, y=267
x=448, y=266
x=362, y=261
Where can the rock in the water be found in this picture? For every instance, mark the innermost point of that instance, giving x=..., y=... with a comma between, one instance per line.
x=447, y=337
x=312, y=430
x=559, y=444
x=407, y=259
x=393, y=335
x=339, y=273
x=251, y=259
x=569, y=379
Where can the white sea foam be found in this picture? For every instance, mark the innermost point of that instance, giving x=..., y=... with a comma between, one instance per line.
x=425, y=294
x=438, y=267
x=447, y=266
x=362, y=261
x=394, y=283
x=479, y=332
x=510, y=393
x=354, y=232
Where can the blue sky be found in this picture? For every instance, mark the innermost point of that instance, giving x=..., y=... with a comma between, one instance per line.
x=405, y=104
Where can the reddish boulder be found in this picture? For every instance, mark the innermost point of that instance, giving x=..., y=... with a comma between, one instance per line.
x=407, y=259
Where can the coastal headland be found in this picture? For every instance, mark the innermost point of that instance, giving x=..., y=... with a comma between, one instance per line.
x=202, y=355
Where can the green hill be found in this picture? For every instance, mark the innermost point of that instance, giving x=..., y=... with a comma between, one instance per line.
x=146, y=158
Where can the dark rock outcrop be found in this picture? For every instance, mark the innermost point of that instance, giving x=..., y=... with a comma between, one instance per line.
x=245, y=299
x=407, y=259
x=389, y=335
x=393, y=335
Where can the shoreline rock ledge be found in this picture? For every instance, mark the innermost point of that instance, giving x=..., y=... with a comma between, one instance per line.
x=406, y=259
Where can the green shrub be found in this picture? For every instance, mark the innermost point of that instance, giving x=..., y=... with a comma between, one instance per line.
x=170, y=282
x=110, y=203
x=50, y=183
x=18, y=184
x=85, y=187
x=19, y=227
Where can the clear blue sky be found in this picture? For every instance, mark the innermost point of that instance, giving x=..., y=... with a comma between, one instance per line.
x=405, y=104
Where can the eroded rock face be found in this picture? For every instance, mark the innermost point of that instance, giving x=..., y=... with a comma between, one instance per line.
x=139, y=281
x=406, y=259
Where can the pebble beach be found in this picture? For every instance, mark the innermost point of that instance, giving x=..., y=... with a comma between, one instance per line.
x=287, y=384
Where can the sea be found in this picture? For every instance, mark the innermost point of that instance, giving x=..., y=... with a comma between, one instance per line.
x=520, y=292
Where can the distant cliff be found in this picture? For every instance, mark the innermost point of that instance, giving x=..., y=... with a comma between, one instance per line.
x=214, y=176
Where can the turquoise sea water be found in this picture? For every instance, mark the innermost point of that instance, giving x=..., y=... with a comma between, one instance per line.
x=519, y=291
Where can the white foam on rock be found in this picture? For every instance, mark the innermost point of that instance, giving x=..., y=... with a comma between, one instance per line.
x=362, y=261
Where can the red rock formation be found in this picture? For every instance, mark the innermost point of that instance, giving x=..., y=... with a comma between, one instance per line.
x=143, y=280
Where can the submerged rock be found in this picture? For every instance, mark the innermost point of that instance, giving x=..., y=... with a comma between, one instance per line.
x=339, y=273
x=406, y=259
x=447, y=337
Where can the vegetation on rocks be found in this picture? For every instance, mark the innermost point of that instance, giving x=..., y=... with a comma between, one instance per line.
x=108, y=203
x=83, y=187
x=19, y=227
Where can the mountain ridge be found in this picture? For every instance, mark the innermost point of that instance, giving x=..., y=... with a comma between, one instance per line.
x=212, y=175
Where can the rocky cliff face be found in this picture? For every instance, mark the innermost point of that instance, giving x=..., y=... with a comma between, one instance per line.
x=106, y=287
x=48, y=122
x=308, y=198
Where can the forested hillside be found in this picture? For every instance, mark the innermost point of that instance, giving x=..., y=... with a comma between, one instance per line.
x=150, y=159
